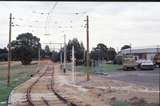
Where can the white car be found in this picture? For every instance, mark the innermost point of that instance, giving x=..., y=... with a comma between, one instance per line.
x=147, y=64
x=139, y=62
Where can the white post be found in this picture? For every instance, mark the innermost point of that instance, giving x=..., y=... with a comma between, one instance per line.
x=39, y=56
x=61, y=59
x=73, y=62
x=64, y=70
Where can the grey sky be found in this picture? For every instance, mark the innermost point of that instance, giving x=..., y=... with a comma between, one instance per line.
x=111, y=23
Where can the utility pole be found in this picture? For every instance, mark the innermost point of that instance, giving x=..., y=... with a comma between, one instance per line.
x=130, y=48
x=87, y=31
x=84, y=55
x=64, y=68
x=9, y=50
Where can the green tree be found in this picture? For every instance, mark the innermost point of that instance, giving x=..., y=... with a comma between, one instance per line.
x=103, y=51
x=125, y=47
x=47, y=51
x=25, y=47
x=55, y=56
x=3, y=54
x=111, y=53
x=78, y=47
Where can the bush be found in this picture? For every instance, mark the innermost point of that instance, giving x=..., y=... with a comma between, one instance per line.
x=117, y=60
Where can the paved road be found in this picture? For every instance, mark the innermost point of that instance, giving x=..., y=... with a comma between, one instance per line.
x=149, y=78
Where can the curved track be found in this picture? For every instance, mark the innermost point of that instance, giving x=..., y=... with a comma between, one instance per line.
x=47, y=72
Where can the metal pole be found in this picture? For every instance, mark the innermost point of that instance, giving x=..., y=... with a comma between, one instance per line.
x=61, y=58
x=157, y=49
x=9, y=50
x=39, y=55
x=84, y=55
x=73, y=63
x=87, y=31
x=64, y=70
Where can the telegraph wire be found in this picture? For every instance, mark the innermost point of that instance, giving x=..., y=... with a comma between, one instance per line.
x=50, y=12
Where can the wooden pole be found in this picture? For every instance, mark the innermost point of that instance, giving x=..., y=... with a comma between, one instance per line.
x=87, y=31
x=9, y=50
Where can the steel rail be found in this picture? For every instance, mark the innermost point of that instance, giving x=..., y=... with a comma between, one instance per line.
x=59, y=96
x=30, y=88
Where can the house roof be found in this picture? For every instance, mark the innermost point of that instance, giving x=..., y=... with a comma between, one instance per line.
x=141, y=50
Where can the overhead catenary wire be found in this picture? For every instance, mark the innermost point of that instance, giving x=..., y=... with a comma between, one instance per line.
x=50, y=12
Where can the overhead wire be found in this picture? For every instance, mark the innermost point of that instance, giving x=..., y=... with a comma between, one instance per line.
x=47, y=18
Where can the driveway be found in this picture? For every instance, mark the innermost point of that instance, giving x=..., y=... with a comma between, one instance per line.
x=148, y=78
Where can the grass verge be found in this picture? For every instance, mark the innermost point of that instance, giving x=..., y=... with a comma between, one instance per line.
x=19, y=74
x=109, y=67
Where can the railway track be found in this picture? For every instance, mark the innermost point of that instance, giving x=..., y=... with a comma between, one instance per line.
x=62, y=101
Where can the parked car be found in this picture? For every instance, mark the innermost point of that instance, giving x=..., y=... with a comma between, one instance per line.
x=147, y=64
x=139, y=62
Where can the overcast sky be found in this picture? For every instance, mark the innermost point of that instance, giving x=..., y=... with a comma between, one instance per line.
x=111, y=23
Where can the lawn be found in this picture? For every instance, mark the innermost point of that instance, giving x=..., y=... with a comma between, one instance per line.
x=19, y=74
x=101, y=68
x=121, y=103
x=110, y=67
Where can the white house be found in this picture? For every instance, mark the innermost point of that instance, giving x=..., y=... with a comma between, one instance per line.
x=142, y=53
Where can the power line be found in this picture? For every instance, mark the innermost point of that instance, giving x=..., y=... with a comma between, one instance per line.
x=54, y=6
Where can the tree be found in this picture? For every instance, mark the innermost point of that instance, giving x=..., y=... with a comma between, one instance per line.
x=111, y=53
x=125, y=47
x=78, y=48
x=47, y=51
x=101, y=52
x=55, y=56
x=25, y=47
x=3, y=54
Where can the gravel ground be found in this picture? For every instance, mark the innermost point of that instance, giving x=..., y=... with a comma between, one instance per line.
x=106, y=89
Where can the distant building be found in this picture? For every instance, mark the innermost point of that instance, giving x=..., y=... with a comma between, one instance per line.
x=141, y=53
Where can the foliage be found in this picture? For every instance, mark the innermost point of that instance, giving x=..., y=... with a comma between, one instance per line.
x=101, y=52
x=55, y=56
x=111, y=53
x=78, y=49
x=25, y=48
x=118, y=59
x=125, y=47
x=3, y=54
x=47, y=51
